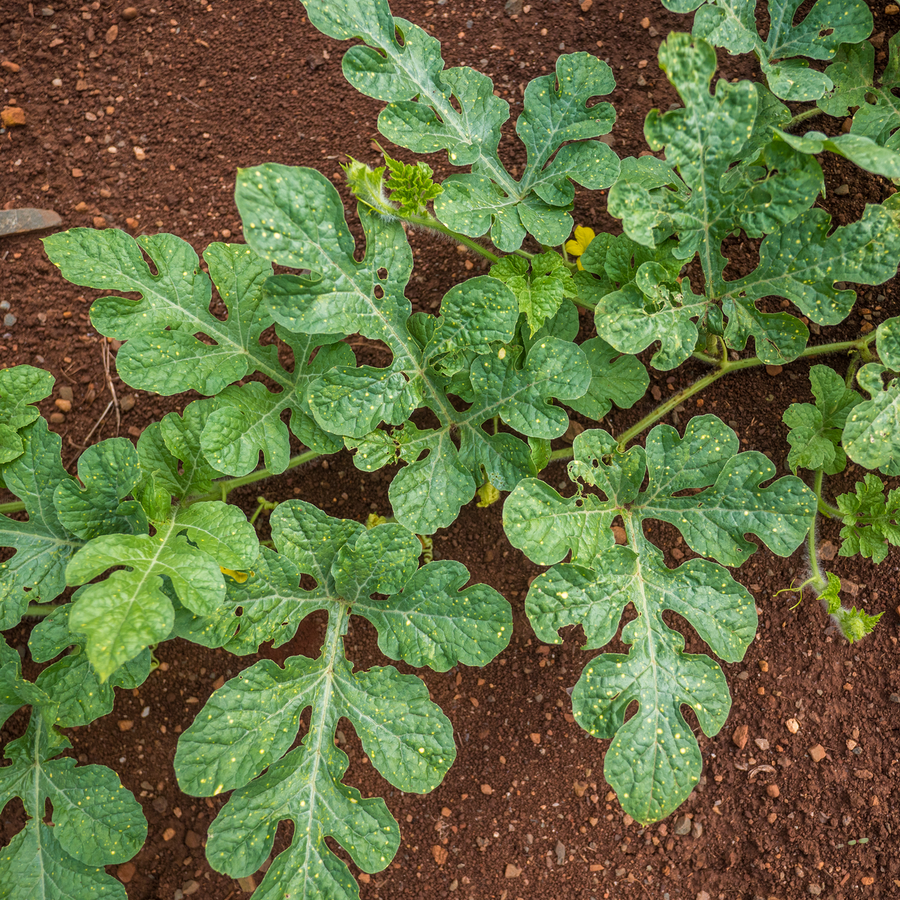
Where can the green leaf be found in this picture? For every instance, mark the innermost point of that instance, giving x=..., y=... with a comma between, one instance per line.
x=109, y=472
x=704, y=141
x=78, y=694
x=654, y=760
x=268, y=606
x=853, y=75
x=541, y=293
x=860, y=150
x=173, y=342
x=96, y=822
x=871, y=519
x=431, y=108
x=250, y=724
x=652, y=309
x=816, y=429
x=20, y=386
x=872, y=432
x=342, y=294
x=130, y=610
x=42, y=544
x=15, y=691
x=435, y=621
x=615, y=378
x=803, y=262
x=818, y=35
x=474, y=315
x=887, y=342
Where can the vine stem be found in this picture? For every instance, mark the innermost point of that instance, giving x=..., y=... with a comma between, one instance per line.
x=820, y=580
x=219, y=492
x=803, y=115
x=434, y=224
x=723, y=367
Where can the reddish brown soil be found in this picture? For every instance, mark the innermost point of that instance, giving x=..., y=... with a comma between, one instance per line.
x=205, y=89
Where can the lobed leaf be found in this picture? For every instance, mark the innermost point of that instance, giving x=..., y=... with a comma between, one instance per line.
x=96, y=821
x=818, y=34
x=431, y=108
x=711, y=493
x=872, y=432
x=130, y=610
x=877, y=107
x=42, y=544
x=20, y=387
x=173, y=342
x=241, y=741
x=816, y=429
x=871, y=519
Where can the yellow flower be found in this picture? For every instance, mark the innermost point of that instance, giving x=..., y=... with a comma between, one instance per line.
x=583, y=237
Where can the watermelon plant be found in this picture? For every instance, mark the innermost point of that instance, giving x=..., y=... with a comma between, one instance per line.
x=143, y=547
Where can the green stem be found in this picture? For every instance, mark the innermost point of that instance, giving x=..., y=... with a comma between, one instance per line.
x=433, y=224
x=826, y=509
x=821, y=582
x=225, y=487
x=41, y=609
x=13, y=506
x=803, y=116
x=564, y=453
x=665, y=408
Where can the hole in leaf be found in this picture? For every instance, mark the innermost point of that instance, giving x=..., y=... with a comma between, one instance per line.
x=382, y=273
x=379, y=292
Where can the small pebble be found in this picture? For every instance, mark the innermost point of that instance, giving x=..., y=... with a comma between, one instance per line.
x=66, y=393
x=773, y=370
x=843, y=190
x=57, y=418
x=125, y=724
x=792, y=725
x=112, y=34
x=487, y=789
x=47, y=11
x=739, y=738
x=63, y=405
x=129, y=13
x=9, y=320
x=127, y=402
x=817, y=753
x=4, y=304
x=682, y=825
x=126, y=872
x=773, y=791
x=762, y=743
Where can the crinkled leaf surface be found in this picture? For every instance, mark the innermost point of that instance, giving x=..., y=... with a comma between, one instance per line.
x=703, y=141
x=871, y=519
x=853, y=74
x=79, y=696
x=129, y=610
x=249, y=724
x=295, y=217
x=872, y=433
x=817, y=34
x=803, y=262
x=42, y=544
x=109, y=472
x=20, y=387
x=816, y=428
x=96, y=822
x=767, y=190
x=163, y=351
x=615, y=378
x=431, y=108
x=859, y=149
x=654, y=761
